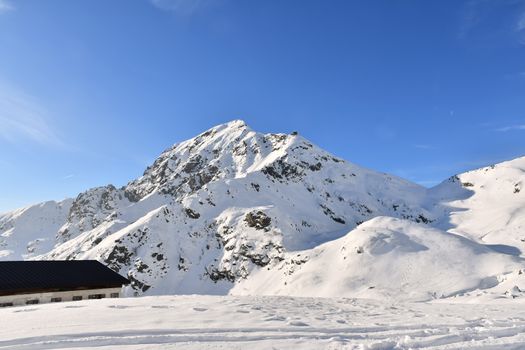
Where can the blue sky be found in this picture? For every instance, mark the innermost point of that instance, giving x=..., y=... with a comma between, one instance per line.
x=92, y=91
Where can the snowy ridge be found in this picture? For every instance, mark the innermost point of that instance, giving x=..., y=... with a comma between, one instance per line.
x=487, y=204
x=230, y=210
x=30, y=231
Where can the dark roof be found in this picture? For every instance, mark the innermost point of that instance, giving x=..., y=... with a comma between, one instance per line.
x=21, y=277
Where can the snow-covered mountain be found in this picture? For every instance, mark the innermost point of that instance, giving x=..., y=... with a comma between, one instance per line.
x=486, y=205
x=31, y=231
x=236, y=211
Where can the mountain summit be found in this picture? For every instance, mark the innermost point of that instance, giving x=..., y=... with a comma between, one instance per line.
x=212, y=213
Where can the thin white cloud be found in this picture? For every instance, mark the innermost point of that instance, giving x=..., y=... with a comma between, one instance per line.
x=505, y=17
x=23, y=119
x=182, y=7
x=5, y=6
x=511, y=128
x=472, y=14
x=514, y=75
x=424, y=146
x=520, y=26
x=520, y=29
x=68, y=177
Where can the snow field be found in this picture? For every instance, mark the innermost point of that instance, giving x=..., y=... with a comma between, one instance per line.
x=230, y=322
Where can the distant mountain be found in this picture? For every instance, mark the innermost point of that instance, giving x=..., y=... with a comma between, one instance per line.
x=229, y=210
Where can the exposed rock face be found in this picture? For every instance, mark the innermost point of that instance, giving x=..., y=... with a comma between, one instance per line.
x=212, y=209
x=90, y=209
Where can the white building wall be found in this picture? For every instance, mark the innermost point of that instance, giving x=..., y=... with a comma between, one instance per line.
x=22, y=299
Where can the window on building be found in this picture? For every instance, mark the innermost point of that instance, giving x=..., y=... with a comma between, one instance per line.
x=96, y=296
x=114, y=295
x=6, y=304
x=31, y=301
x=77, y=297
x=56, y=300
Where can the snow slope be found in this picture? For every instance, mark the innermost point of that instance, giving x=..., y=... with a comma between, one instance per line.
x=487, y=205
x=206, y=322
x=388, y=259
x=31, y=231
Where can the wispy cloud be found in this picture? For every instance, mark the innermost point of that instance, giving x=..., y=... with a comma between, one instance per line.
x=520, y=28
x=424, y=146
x=520, y=25
x=470, y=18
x=5, y=6
x=23, y=119
x=515, y=75
x=181, y=7
x=511, y=128
x=68, y=177
x=493, y=21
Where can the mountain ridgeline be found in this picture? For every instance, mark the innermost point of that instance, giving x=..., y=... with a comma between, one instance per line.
x=237, y=211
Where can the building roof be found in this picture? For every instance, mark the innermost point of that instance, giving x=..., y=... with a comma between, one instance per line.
x=22, y=277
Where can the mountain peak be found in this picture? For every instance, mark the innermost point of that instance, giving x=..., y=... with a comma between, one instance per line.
x=225, y=151
x=233, y=126
x=235, y=123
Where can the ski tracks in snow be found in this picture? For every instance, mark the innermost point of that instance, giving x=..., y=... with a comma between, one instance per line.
x=427, y=337
x=205, y=322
